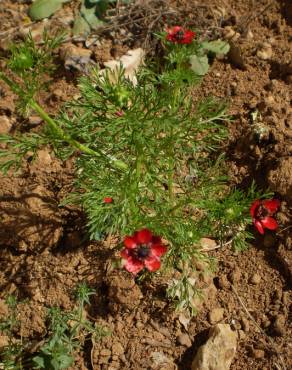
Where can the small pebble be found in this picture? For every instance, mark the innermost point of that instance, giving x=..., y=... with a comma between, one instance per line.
x=5, y=125
x=216, y=315
x=279, y=325
x=255, y=279
x=117, y=349
x=258, y=353
x=207, y=243
x=265, y=51
x=245, y=324
x=105, y=352
x=235, y=275
x=223, y=282
x=184, y=340
x=34, y=120
x=241, y=335
x=266, y=323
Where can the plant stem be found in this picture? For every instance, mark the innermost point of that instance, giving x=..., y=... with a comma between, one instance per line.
x=58, y=130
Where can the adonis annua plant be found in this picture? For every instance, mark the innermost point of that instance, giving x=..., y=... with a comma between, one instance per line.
x=150, y=163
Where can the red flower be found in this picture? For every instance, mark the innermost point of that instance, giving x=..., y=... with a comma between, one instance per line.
x=262, y=211
x=107, y=200
x=142, y=250
x=178, y=35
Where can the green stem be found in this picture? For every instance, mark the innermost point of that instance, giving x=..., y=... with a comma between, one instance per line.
x=58, y=130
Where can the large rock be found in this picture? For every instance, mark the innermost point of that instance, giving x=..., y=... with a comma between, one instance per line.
x=218, y=352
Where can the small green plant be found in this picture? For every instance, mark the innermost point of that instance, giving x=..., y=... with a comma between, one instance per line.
x=33, y=65
x=149, y=158
x=67, y=333
x=11, y=355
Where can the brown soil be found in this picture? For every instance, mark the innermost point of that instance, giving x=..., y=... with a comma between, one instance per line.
x=44, y=250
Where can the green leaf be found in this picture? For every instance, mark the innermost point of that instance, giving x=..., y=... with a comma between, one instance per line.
x=216, y=46
x=44, y=8
x=199, y=64
x=90, y=16
x=81, y=27
x=39, y=362
x=63, y=361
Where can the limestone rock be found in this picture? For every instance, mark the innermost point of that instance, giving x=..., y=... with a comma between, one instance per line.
x=219, y=350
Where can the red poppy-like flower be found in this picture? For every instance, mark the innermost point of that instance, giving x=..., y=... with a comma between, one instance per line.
x=262, y=211
x=142, y=249
x=179, y=35
x=107, y=200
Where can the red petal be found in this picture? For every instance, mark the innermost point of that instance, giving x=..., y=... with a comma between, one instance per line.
x=156, y=239
x=271, y=205
x=133, y=265
x=144, y=236
x=152, y=263
x=188, y=37
x=158, y=250
x=125, y=253
x=269, y=223
x=130, y=242
x=108, y=200
x=259, y=226
x=254, y=207
x=173, y=30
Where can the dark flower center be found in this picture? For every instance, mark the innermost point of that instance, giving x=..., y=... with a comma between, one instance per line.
x=179, y=35
x=262, y=212
x=143, y=251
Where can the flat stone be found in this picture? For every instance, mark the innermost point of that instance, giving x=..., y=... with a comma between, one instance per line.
x=219, y=350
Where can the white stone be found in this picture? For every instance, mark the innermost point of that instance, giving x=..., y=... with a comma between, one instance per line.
x=219, y=350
